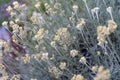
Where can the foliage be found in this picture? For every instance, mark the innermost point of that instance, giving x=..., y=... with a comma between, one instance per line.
x=62, y=40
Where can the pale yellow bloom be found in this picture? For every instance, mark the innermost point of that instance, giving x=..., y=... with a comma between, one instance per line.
x=80, y=24
x=44, y=56
x=102, y=74
x=56, y=71
x=53, y=44
x=37, y=5
x=77, y=77
x=9, y=9
x=33, y=79
x=112, y=26
x=63, y=36
x=62, y=65
x=12, y=14
x=17, y=20
x=5, y=23
x=26, y=59
x=37, y=18
x=98, y=52
x=4, y=78
x=73, y=52
x=75, y=8
x=11, y=23
x=16, y=6
x=94, y=68
x=16, y=77
x=22, y=6
x=40, y=34
x=104, y=31
x=82, y=60
x=15, y=3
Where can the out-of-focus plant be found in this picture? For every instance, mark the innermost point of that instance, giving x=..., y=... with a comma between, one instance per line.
x=4, y=15
x=61, y=40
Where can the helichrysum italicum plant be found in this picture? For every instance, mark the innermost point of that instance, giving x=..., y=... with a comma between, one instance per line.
x=102, y=74
x=61, y=40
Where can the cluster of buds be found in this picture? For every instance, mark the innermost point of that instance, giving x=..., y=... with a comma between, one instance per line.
x=43, y=56
x=104, y=31
x=16, y=6
x=50, y=10
x=83, y=60
x=19, y=30
x=37, y=18
x=80, y=24
x=77, y=77
x=63, y=65
x=102, y=74
x=41, y=34
x=26, y=59
x=94, y=68
x=37, y=5
x=55, y=71
x=63, y=36
x=73, y=53
x=9, y=9
x=53, y=44
x=16, y=77
x=4, y=23
x=5, y=45
x=3, y=72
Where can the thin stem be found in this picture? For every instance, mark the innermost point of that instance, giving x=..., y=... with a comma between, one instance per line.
x=87, y=9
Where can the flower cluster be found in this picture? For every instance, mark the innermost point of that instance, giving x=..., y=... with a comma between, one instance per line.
x=58, y=40
x=63, y=36
x=104, y=31
x=102, y=74
x=77, y=77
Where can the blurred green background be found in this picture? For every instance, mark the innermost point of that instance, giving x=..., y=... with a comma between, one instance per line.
x=4, y=1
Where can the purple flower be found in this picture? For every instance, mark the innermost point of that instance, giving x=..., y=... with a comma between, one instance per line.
x=4, y=34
